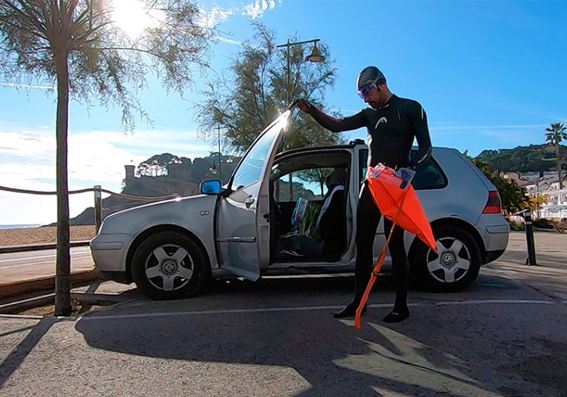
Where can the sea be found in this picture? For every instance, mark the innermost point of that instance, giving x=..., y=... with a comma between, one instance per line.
x=20, y=226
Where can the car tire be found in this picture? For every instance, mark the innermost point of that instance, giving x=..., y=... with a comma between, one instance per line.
x=169, y=265
x=452, y=269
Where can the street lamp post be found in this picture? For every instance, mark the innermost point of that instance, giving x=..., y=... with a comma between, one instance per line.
x=220, y=172
x=314, y=57
x=213, y=168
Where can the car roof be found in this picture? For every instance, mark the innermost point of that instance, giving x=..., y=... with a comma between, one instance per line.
x=350, y=145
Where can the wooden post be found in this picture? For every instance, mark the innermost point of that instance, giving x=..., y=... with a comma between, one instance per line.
x=97, y=206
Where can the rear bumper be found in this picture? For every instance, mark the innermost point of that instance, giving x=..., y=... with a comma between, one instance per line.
x=493, y=255
x=495, y=233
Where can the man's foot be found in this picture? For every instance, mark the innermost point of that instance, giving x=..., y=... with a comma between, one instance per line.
x=397, y=316
x=349, y=310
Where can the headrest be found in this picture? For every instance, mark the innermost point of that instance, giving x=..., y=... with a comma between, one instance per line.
x=337, y=177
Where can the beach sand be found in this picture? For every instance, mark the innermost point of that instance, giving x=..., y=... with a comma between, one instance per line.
x=42, y=235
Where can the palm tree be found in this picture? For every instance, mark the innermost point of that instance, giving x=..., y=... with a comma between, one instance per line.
x=555, y=134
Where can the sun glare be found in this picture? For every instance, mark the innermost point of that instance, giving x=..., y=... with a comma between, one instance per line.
x=132, y=17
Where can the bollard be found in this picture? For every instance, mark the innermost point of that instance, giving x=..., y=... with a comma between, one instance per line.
x=97, y=207
x=531, y=259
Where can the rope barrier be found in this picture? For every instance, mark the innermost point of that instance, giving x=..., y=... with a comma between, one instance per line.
x=125, y=196
x=140, y=198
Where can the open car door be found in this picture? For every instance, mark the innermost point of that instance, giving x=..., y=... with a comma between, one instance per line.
x=243, y=228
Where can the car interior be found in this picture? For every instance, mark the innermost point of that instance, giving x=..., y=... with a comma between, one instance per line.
x=308, y=207
x=309, y=204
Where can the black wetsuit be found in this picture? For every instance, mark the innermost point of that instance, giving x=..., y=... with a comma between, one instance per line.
x=391, y=131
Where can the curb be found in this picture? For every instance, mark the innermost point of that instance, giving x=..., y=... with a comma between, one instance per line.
x=44, y=283
x=49, y=299
x=39, y=247
x=25, y=304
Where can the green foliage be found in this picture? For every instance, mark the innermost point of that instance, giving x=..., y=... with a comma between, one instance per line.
x=317, y=175
x=521, y=159
x=255, y=91
x=158, y=164
x=39, y=37
x=76, y=44
x=513, y=197
x=195, y=171
x=554, y=136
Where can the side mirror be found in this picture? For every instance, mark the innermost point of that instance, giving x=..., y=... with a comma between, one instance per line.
x=212, y=187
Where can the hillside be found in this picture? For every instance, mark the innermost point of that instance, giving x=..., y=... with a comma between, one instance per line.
x=161, y=175
x=522, y=159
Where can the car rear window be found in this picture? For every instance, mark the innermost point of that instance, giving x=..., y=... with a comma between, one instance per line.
x=429, y=175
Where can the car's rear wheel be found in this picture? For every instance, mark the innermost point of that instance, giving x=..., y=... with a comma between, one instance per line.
x=168, y=265
x=453, y=267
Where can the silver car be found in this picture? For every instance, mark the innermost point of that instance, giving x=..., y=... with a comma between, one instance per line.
x=289, y=213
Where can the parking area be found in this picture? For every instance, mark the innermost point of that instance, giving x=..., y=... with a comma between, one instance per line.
x=504, y=336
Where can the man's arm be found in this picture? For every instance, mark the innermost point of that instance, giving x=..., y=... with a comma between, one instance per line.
x=419, y=121
x=330, y=123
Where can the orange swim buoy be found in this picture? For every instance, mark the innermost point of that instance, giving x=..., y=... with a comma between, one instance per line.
x=403, y=208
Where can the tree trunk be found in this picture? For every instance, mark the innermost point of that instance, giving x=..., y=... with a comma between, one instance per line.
x=63, y=267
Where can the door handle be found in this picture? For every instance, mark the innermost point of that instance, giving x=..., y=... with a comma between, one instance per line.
x=249, y=201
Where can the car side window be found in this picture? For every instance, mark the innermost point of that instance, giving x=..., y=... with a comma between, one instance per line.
x=308, y=184
x=428, y=176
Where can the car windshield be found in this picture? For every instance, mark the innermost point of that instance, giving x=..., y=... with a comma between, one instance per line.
x=250, y=169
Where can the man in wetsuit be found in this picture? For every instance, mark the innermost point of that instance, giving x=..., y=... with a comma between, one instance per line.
x=392, y=124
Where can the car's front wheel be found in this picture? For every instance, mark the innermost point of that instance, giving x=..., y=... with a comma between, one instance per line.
x=453, y=267
x=168, y=265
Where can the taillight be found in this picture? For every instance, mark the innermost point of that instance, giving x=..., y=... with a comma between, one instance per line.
x=493, y=205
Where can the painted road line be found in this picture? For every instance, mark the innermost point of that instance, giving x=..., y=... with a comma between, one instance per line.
x=304, y=308
x=496, y=301
x=90, y=317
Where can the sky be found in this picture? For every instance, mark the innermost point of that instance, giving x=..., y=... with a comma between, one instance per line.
x=490, y=75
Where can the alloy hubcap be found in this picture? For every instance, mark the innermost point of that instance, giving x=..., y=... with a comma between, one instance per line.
x=448, y=259
x=451, y=262
x=169, y=267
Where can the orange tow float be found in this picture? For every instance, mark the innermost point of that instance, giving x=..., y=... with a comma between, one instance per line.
x=397, y=201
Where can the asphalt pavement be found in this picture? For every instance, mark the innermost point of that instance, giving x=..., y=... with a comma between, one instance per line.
x=504, y=336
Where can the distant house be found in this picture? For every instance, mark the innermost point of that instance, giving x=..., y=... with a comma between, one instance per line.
x=556, y=206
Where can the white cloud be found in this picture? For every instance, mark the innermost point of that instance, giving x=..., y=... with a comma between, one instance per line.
x=484, y=127
x=36, y=87
x=27, y=161
x=215, y=16
x=258, y=8
x=229, y=41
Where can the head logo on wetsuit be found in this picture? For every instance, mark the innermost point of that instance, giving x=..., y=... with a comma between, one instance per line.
x=382, y=120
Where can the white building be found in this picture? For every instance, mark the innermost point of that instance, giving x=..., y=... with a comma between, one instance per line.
x=556, y=206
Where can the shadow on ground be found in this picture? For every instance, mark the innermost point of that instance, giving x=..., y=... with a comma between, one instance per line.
x=459, y=351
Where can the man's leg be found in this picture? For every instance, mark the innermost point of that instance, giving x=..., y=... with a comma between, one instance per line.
x=401, y=273
x=367, y=219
